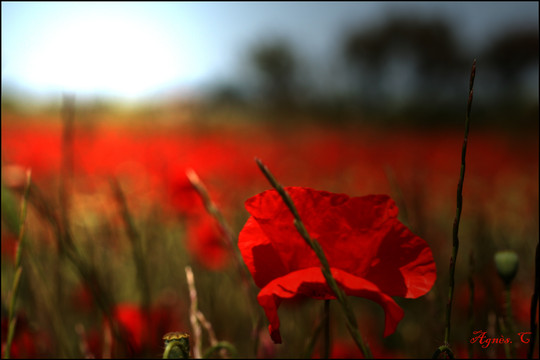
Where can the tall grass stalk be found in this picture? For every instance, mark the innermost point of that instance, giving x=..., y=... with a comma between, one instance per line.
x=136, y=250
x=136, y=246
x=197, y=318
x=509, y=318
x=504, y=330
x=12, y=320
x=83, y=343
x=193, y=310
x=214, y=211
x=351, y=322
x=68, y=119
x=46, y=296
x=455, y=229
x=248, y=285
x=86, y=271
x=310, y=344
x=66, y=183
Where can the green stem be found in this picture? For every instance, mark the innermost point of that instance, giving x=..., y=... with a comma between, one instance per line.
x=509, y=319
x=326, y=348
x=12, y=320
x=352, y=325
x=443, y=349
x=308, y=352
x=455, y=229
x=221, y=345
x=504, y=330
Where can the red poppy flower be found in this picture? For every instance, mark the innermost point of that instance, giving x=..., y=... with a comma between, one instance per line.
x=183, y=196
x=206, y=243
x=370, y=252
x=142, y=333
x=27, y=342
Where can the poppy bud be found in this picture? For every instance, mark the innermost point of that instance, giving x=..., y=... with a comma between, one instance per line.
x=507, y=265
x=179, y=345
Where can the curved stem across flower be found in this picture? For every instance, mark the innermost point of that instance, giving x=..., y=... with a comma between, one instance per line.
x=361, y=249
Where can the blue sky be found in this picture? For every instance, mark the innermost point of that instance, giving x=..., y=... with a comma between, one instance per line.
x=134, y=49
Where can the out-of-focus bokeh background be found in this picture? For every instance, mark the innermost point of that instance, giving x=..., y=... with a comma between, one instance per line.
x=401, y=61
x=349, y=97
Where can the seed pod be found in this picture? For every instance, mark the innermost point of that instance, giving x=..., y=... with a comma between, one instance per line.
x=176, y=345
x=507, y=265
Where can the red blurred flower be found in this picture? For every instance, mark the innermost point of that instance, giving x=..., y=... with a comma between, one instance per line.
x=82, y=298
x=37, y=147
x=370, y=252
x=9, y=246
x=206, y=243
x=27, y=342
x=133, y=324
x=182, y=195
x=142, y=331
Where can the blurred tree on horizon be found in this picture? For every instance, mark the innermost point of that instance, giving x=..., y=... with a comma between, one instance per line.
x=509, y=61
x=407, y=65
x=511, y=65
x=276, y=67
x=405, y=69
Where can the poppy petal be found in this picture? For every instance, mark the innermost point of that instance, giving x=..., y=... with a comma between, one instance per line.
x=360, y=235
x=404, y=264
x=259, y=255
x=311, y=283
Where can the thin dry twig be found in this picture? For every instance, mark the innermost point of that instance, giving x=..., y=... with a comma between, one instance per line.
x=195, y=327
x=248, y=285
x=455, y=229
x=214, y=211
x=197, y=318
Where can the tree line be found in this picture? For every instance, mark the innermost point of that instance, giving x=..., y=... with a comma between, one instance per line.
x=404, y=68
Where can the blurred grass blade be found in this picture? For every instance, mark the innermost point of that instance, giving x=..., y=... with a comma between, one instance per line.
x=136, y=245
x=12, y=321
x=9, y=209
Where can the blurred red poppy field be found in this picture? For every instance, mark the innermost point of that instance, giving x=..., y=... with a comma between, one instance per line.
x=114, y=219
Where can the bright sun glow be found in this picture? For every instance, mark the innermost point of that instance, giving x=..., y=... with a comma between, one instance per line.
x=105, y=52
